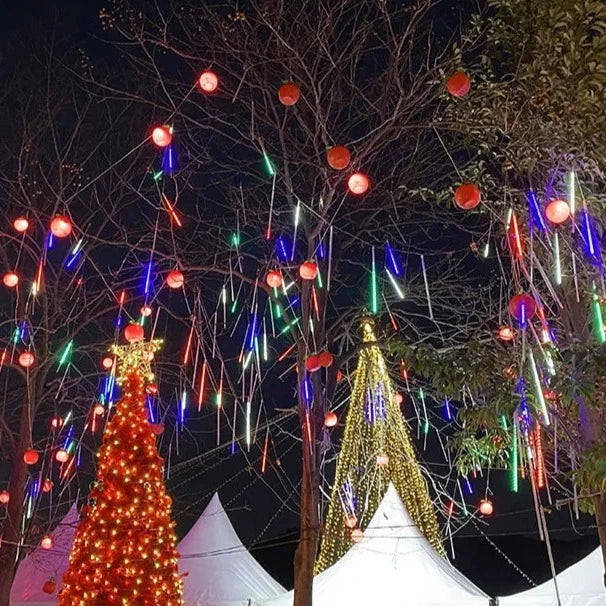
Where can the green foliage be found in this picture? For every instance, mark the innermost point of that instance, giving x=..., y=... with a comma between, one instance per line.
x=539, y=84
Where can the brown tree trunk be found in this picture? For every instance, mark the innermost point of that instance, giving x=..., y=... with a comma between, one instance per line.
x=305, y=556
x=11, y=533
x=599, y=503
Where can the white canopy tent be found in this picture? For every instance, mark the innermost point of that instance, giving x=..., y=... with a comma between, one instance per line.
x=393, y=565
x=41, y=564
x=579, y=585
x=219, y=570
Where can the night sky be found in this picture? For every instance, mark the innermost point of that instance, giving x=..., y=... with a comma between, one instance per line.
x=513, y=527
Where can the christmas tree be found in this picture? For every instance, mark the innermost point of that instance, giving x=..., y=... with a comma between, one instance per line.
x=376, y=450
x=124, y=549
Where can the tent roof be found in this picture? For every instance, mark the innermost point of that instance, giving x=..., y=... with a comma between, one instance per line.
x=579, y=585
x=40, y=564
x=220, y=571
x=393, y=564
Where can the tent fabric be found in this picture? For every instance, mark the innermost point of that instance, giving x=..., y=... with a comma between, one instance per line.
x=393, y=565
x=579, y=585
x=40, y=564
x=219, y=570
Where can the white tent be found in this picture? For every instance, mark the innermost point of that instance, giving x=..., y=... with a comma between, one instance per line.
x=579, y=585
x=41, y=564
x=219, y=570
x=392, y=565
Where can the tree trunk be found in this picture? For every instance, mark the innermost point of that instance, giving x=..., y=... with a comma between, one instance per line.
x=599, y=503
x=305, y=556
x=11, y=533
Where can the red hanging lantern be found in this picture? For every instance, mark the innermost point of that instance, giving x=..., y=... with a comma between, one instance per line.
x=99, y=410
x=338, y=157
x=557, y=211
x=10, y=279
x=458, y=84
x=56, y=422
x=46, y=542
x=20, y=224
x=107, y=363
x=467, y=196
x=274, y=279
x=61, y=226
x=162, y=136
x=330, y=420
x=308, y=270
x=61, y=455
x=339, y=376
x=486, y=507
x=175, y=279
x=289, y=94
x=358, y=184
x=325, y=359
x=312, y=363
x=50, y=586
x=522, y=307
x=5, y=497
x=26, y=359
x=157, y=428
x=146, y=311
x=134, y=333
x=208, y=82
x=506, y=333
x=47, y=485
x=31, y=457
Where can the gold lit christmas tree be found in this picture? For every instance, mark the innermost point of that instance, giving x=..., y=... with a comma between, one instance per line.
x=375, y=451
x=124, y=550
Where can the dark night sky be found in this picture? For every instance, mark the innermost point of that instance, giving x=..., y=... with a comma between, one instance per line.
x=76, y=20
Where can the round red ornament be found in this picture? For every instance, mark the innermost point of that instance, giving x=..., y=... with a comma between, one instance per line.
x=357, y=535
x=61, y=455
x=61, y=226
x=26, y=359
x=459, y=84
x=107, y=363
x=99, y=410
x=351, y=521
x=274, y=279
x=358, y=184
x=330, y=420
x=289, y=94
x=486, y=507
x=208, y=81
x=47, y=485
x=506, y=333
x=557, y=211
x=382, y=460
x=5, y=497
x=161, y=136
x=308, y=270
x=10, y=279
x=134, y=333
x=31, y=457
x=20, y=224
x=467, y=196
x=312, y=363
x=398, y=399
x=338, y=157
x=522, y=307
x=157, y=428
x=146, y=311
x=325, y=358
x=49, y=586
x=175, y=279
x=46, y=542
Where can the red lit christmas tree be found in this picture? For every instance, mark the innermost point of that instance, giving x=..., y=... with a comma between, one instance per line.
x=124, y=549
